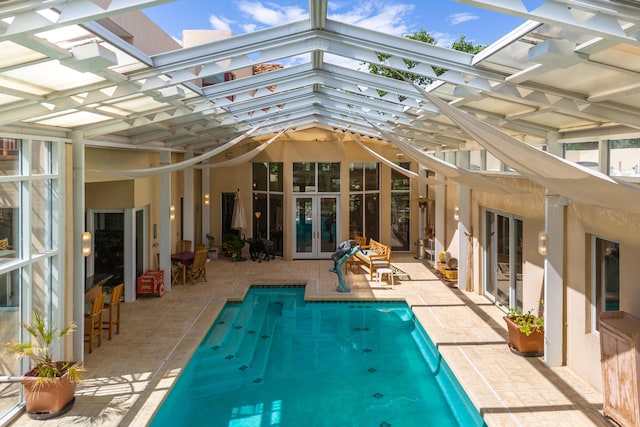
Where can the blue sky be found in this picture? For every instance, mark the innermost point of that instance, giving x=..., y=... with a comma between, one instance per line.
x=446, y=20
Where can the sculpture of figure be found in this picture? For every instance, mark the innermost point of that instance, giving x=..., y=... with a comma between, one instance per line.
x=345, y=250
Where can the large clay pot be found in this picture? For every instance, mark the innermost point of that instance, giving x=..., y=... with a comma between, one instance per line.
x=531, y=345
x=49, y=399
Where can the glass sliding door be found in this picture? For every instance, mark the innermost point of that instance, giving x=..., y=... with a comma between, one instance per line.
x=503, y=259
x=316, y=226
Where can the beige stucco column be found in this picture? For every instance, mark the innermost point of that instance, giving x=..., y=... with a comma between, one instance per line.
x=78, y=211
x=188, y=205
x=554, y=280
x=165, y=221
x=464, y=229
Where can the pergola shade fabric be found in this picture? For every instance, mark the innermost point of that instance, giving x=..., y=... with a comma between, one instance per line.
x=558, y=175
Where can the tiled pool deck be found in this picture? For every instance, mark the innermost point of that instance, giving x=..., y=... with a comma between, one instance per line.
x=128, y=376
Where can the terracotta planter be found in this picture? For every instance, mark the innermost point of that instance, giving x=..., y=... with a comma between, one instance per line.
x=523, y=345
x=50, y=399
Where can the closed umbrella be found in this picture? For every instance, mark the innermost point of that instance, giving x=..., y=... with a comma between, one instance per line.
x=239, y=220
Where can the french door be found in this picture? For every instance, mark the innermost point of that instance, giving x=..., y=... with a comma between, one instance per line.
x=316, y=226
x=503, y=259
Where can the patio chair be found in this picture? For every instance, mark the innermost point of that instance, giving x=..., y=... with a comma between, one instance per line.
x=199, y=247
x=198, y=268
x=184, y=246
x=93, y=321
x=113, y=310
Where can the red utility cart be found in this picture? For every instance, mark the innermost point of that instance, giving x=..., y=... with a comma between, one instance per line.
x=151, y=283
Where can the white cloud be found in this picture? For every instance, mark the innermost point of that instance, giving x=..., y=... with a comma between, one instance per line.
x=219, y=22
x=271, y=14
x=249, y=28
x=384, y=17
x=459, y=18
x=443, y=39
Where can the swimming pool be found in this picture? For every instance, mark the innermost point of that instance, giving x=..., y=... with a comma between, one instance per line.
x=276, y=360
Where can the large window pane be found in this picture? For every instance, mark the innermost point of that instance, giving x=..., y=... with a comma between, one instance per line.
x=10, y=156
x=492, y=163
x=624, y=157
x=371, y=177
x=260, y=176
x=372, y=213
x=475, y=160
x=41, y=157
x=364, y=206
x=275, y=177
x=304, y=177
x=9, y=221
x=276, y=223
x=41, y=216
x=400, y=181
x=329, y=177
x=606, y=278
x=583, y=153
x=9, y=332
x=400, y=209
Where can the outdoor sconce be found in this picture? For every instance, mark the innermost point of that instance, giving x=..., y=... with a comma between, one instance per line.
x=258, y=214
x=422, y=203
x=456, y=213
x=542, y=243
x=86, y=243
x=206, y=199
x=172, y=212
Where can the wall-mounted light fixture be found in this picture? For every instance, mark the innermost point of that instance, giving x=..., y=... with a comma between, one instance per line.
x=542, y=243
x=86, y=243
x=456, y=213
x=172, y=212
x=422, y=203
x=206, y=199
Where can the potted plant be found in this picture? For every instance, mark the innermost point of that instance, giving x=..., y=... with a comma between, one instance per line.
x=526, y=333
x=49, y=387
x=212, y=251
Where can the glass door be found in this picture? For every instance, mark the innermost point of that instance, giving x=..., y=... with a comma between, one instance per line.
x=316, y=226
x=503, y=259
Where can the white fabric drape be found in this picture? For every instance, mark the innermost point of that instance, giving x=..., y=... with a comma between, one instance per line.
x=141, y=173
x=559, y=175
x=243, y=158
x=408, y=173
x=459, y=175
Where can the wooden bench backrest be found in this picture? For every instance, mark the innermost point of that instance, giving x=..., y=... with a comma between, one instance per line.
x=361, y=240
x=380, y=249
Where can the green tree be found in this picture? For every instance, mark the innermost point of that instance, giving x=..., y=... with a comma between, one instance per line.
x=461, y=45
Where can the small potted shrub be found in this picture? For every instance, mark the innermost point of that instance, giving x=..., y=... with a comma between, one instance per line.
x=526, y=333
x=49, y=386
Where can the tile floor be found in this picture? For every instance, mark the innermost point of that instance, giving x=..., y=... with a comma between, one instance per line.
x=128, y=376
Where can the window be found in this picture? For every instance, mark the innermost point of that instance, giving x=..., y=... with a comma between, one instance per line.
x=364, y=196
x=268, y=203
x=605, y=278
x=624, y=157
x=583, y=153
x=30, y=238
x=400, y=209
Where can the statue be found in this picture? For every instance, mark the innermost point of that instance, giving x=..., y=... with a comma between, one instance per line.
x=345, y=250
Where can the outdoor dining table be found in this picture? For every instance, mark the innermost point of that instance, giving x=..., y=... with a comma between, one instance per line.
x=183, y=259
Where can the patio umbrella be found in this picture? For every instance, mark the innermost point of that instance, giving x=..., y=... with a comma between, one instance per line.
x=239, y=220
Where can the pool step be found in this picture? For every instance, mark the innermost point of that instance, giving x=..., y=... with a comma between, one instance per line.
x=240, y=336
x=243, y=369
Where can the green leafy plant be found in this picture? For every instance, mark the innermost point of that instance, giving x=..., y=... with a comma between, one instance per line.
x=211, y=240
x=527, y=322
x=39, y=349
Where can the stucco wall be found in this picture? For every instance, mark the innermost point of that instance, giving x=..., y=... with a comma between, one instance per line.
x=583, y=222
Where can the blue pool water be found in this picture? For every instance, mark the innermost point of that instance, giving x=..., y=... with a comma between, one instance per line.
x=276, y=360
